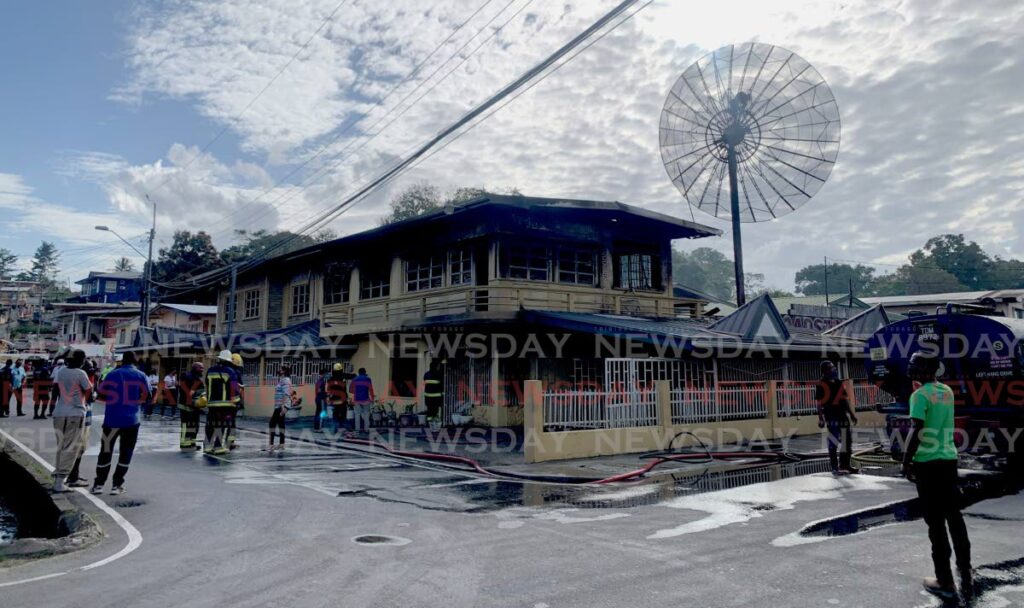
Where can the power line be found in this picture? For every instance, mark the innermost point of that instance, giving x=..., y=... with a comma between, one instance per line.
x=266, y=86
x=350, y=126
x=348, y=151
x=467, y=118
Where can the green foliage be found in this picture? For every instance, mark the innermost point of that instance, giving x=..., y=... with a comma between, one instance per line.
x=710, y=271
x=44, y=265
x=811, y=280
x=124, y=265
x=946, y=263
x=7, y=263
x=264, y=242
x=189, y=255
x=423, y=198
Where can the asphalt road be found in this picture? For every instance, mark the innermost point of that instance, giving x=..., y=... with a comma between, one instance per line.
x=277, y=530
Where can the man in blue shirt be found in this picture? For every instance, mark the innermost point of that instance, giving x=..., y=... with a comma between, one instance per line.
x=124, y=391
x=362, y=397
x=18, y=383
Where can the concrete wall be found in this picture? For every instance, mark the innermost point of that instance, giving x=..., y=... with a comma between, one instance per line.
x=540, y=445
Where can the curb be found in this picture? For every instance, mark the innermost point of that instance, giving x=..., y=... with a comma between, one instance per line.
x=76, y=529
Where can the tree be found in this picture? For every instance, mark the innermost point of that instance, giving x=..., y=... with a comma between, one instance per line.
x=811, y=280
x=915, y=280
x=966, y=261
x=423, y=198
x=189, y=255
x=124, y=265
x=411, y=202
x=266, y=243
x=7, y=263
x=704, y=269
x=44, y=264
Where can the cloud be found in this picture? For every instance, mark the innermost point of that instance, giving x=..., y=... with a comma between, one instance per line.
x=929, y=95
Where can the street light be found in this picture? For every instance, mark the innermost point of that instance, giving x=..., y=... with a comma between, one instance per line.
x=148, y=276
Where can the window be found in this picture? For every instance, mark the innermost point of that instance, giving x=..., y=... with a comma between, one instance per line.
x=110, y=286
x=251, y=299
x=374, y=283
x=425, y=273
x=526, y=262
x=300, y=299
x=460, y=267
x=639, y=271
x=577, y=266
x=336, y=281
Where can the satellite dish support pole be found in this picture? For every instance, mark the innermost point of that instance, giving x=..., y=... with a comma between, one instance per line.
x=737, y=239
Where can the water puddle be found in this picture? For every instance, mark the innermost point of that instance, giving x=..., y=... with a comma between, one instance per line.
x=8, y=525
x=976, y=487
x=381, y=539
x=995, y=586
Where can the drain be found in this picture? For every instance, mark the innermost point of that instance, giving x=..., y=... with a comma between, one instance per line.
x=380, y=539
x=126, y=504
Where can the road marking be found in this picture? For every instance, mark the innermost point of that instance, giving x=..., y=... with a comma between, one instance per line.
x=134, y=536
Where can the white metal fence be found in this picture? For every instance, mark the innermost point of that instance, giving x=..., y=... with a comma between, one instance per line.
x=866, y=396
x=693, y=406
x=796, y=399
x=599, y=410
x=742, y=402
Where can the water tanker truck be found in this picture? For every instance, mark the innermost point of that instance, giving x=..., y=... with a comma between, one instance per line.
x=982, y=361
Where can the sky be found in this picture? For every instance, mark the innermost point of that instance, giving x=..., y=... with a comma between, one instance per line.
x=249, y=114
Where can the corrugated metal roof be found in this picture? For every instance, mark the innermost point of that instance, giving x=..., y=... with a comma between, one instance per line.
x=192, y=309
x=748, y=320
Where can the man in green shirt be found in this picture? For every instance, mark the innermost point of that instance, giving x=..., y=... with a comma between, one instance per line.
x=931, y=461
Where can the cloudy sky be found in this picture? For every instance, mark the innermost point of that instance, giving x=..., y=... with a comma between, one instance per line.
x=260, y=113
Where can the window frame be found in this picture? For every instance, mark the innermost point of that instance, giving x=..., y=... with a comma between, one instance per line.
x=526, y=271
x=576, y=260
x=629, y=276
x=336, y=285
x=374, y=281
x=463, y=257
x=297, y=296
x=429, y=272
x=258, y=299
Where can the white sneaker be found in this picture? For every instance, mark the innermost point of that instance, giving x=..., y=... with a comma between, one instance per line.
x=58, y=484
x=117, y=490
x=96, y=490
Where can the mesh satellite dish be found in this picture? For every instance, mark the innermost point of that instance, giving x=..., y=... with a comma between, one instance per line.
x=749, y=133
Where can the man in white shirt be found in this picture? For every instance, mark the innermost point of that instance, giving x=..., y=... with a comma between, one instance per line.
x=169, y=394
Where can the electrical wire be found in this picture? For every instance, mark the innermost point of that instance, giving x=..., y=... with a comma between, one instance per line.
x=467, y=118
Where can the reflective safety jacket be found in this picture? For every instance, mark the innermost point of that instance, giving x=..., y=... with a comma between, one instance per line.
x=222, y=386
x=432, y=385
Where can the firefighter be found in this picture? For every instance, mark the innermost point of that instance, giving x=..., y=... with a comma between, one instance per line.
x=222, y=396
x=192, y=395
x=337, y=394
x=236, y=362
x=433, y=390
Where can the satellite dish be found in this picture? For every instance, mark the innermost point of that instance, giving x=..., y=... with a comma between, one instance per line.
x=749, y=133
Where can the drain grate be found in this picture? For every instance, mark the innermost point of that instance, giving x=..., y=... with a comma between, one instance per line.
x=380, y=539
x=126, y=504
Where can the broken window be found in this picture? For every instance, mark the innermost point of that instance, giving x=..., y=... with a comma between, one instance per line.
x=577, y=265
x=528, y=262
x=460, y=267
x=424, y=273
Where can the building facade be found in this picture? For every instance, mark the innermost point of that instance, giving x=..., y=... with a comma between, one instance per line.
x=110, y=287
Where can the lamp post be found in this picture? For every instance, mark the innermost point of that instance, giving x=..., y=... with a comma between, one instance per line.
x=147, y=275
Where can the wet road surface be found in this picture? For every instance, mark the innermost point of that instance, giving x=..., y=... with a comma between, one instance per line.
x=291, y=529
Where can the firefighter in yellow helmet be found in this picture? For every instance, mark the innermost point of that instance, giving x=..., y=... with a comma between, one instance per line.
x=236, y=362
x=223, y=392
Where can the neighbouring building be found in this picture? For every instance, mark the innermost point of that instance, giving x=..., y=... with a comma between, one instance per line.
x=20, y=300
x=196, y=318
x=109, y=287
x=1007, y=302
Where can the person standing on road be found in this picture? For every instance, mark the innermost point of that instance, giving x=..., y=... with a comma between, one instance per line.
x=41, y=385
x=433, y=390
x=18, y=385
x=169, y=394
x=6, y=380
x=930, y=460
x=282, y=403
x=835, y=413
x=320, y=389
x=190, y=387
x=124, y=390
x=153, y=381
x=337, y=394
x=222, y=394
x=239, y=365
x=54, y=389
x=362, y=397
x=69, y=416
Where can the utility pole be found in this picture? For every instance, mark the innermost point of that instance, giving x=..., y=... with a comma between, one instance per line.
x=826, y=280
x=231, y=300
x=147, y=282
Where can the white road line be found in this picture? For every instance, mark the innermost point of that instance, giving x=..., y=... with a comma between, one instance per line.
x=134, y=536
